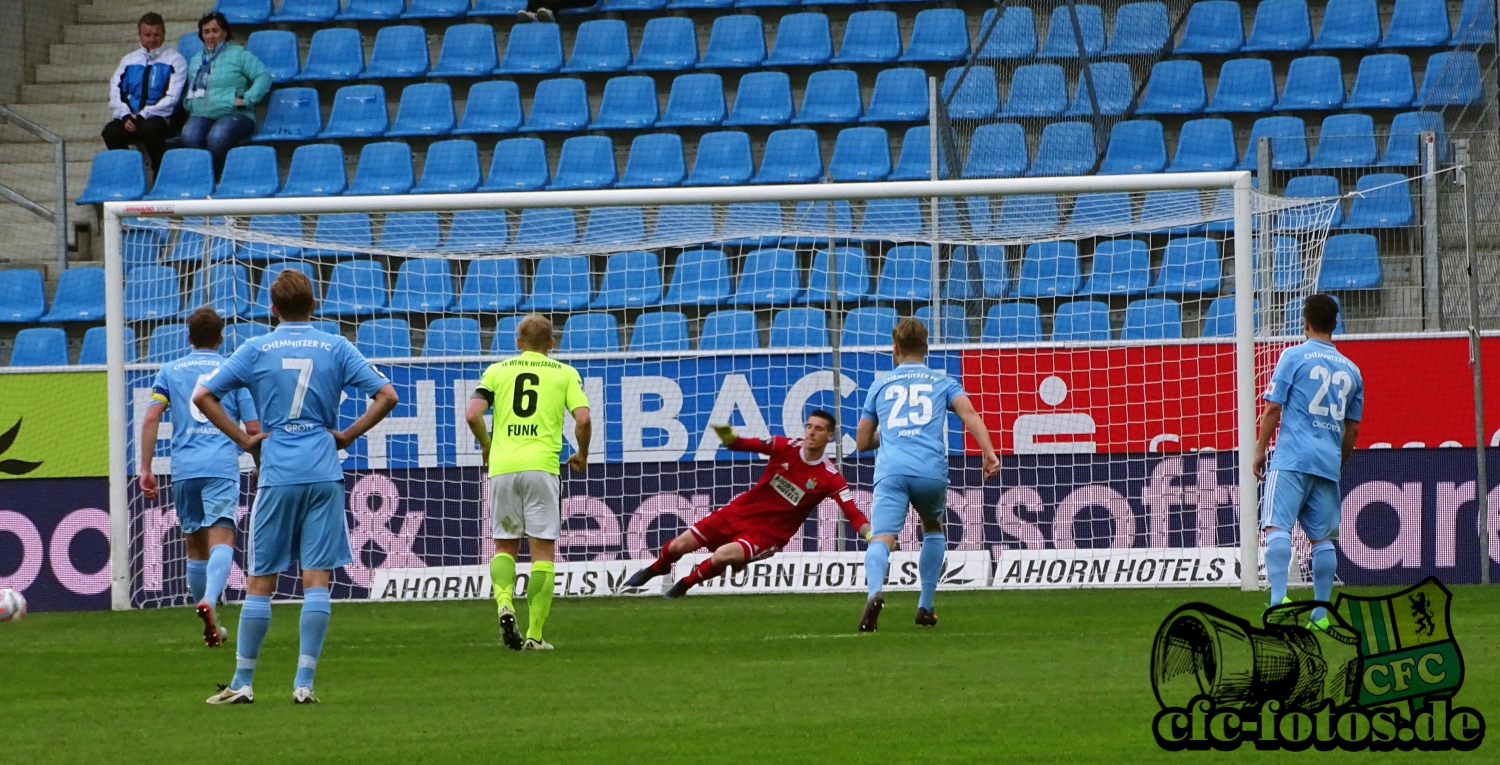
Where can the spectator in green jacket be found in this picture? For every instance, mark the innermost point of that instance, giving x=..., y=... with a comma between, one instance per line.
x=224, y=83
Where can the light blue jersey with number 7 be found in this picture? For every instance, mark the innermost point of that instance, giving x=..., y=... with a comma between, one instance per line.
x=910, y=406
x=1318, y=389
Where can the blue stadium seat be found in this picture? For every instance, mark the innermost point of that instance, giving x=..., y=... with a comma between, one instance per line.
x=493, y=106
x=383, y=338
x=1026, y=215
x=358, y=112
x=1310, y=187
x=547, y=227
x=152, y=292
x=423, y=285
x=1163, y=206
x=1081, y=321
x=1189, y=266
x=1061, y=43
x=723, y=159
x=261, y=308
x=372, y=10
x=1280, y=25
x=815, y=216
x=764, y=98
x=660, y=331
x=1213, y=26
x=831, y=97
x=409, y=231
x=900, y=95
x=490, y=285
x=1049, y=269
x=191, y=245
x=96, y=345
x=1205, y=145
x=141, y=247
x=1175, y=87
x=384, y=168
x=22, y=297
x=1417, y=24
x=317, y=171
x=189, y=45
x=686, y=4
x=292, y=114
x=590, y=333
x=803, y=39
x=799, y=328
x=1350, y=262
x=561, y=284
x=892, y=219
x=938, y=34
x=679, y=224
x=954, y=327
x=1012, y=323
x=534, y=48
x=116, y=175
x=356, y=288
x=586, y=162
x=503, y=343
x=860, y=154
x=560, y=105
x=745, y=224
x=1406, y=129
x=436, y=9
x=629, y=103
x=167, y=342
x=1476, y=24
x=996, y=150
x=477, y=230
x=1036, y=90
x=870, y=37
x=79, y=296
x=601, y=45
x=631, y=280
x=1013, y=36
x=699, y=277
x=696, y=100
x=977, y=96
x=274, y=225
x=1097, y=210
x=468, y=51
x=994, y=270
x=1135, y=146
x=350, y=229
x=655, y=162
x=625, y=226
x=1246, y=85
x=1152, y=319
x=1218, y=320
x=906, y=274
x=1345, y=140
x=668, y=44
x=1288, y=143
x=728, y=330
x=1140, y=28
x=1382, y=200
x=734, y=42
x=1121, y=267
x=915, y=163
x=868, y=326
x=227, y=291
x=426, y=109
x=309, y=11
x=625, y=5
x=853, y=276
x=1067, y=148
x=1312, y=83
x=1114, y=89
x=1286, y=264
x=1452, y=79
x=1384, y=82
x=277, y=49
x=400, y=51
x=1293, y=325
x=184, y=174
x=244, y=12
x=1349, y=25
x=336, y=53
x=769, y=277
x=452, y=336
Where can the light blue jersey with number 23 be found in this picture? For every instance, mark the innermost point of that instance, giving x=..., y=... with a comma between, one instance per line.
x=1318, y=389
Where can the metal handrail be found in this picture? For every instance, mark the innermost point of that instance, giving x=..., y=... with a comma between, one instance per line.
x=58, y=215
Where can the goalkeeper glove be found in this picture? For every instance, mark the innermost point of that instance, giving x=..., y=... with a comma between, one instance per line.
x=725, y=433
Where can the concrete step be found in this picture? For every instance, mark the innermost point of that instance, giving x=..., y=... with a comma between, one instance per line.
x=96, y=74
x=97, y=54
x=29, y=241
x=78, y=121
x=37, y=152
x=37, y=182
x=114, y=33
x=108, y=12
x=65, y=92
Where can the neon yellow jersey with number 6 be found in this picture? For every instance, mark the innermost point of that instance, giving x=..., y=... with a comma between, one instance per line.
x=529, y=395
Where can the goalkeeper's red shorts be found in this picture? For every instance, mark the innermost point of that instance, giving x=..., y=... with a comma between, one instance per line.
x=721, y=528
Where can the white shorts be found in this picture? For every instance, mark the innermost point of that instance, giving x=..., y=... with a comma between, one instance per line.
x=525, y=504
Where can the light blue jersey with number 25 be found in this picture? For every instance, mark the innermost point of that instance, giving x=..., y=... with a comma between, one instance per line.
x=1318, y=389
x=910, y=406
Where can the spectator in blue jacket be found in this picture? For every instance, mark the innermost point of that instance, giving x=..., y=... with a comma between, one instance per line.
x=145, y=91
x=224, y=83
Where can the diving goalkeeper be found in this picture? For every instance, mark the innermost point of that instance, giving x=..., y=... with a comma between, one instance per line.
x=758, y=523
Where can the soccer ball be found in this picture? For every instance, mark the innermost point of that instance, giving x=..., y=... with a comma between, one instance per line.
x=12, y=606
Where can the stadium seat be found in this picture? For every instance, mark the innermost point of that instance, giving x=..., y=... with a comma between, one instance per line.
x=1012, y=323
x=1288, y=143
x=625, y=226
x=629, y=103
x=1312, y=83
x=728, y=330
x=308, y=11
x=141, y=247
x=561, y=284
x=184, y=174
x=1026, y=215
x=1152, y=319
x=900, y=95
x=191, y=245
x=769, y=277
x=117, y=175
x=1384, y=82
x=1012, y=37
x=870, y=37
x=1350, y=262
x=1293, y=325
x=655, y=162
x=1418, y=24
x=696, y=100
x=228, y=291
x=400, y=51
x=436, y=9
x=1476, y=24
x=451, y=336
x=660, y=331
x=853, y=276
x=734, y=42
x=763, y=98
x=1099, y=210
x=383, y=338
x=79, y=296
x=96, y=344
x=938, y=34
x=1213, y=26
x=167, y=342
x=996, y=150
x=1382, y=200
x=1135, y=146
x=686, y=4
x=372, y=10
x=1218, y=320
x=189, y=45
x=490, y=285
x=1286, y=264
x=493, y=106
x=803, y=39
x=423, y=285
x=1280, y=25
x=994, y=271
x=504, y=341
x=683, y=224
x=244, y=12
x=534, y=48
x=1406, y=129
x=261, y=308
x=590, y=333
x=601, y=45
x=1310, y=187
x=277, y=50
x=1114, y=89
x=273, y=225
x=384, y=168
x=1246, y=85
x=1452, y=79
x=1036, y=90
x=1139, y=28
x=1345, y=140
x=1060, y=42
x=860, y=154
x=668, y=44
x=22, y=297
x=1081, y=321
x=292, y=114
x=906, y=274
x=358, y=112
x=317, y=171
x=479, y=230
x=249, y=173
x=426, y=109
x=336, y=53
x=625, y=5
x=356, y=288
x=799, y=328
x=560, y=105
x=409, y=231
x=586, y=162
x=350, y=229
x=831, y=97
x=1205, y=145
x=1162, y=206
x=977, y=96
x=815, y=216
x=1121, y=267
x=1049, y=269
x=892, y=219
x=868, y=326
x=631, y=280
x=1189, y=266
x=1349, y=25
x=723, y=159
x=1067, y=148
x=547, y=227
x=954, y=327
x=151, y=292
x=1175, y=87
x=745, y=224
x=699, y=277
x=914, y=163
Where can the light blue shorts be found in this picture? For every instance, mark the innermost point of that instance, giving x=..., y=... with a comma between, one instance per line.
x=305, y=519
x=204, y=502
x=895, y=493
x=1292, y=497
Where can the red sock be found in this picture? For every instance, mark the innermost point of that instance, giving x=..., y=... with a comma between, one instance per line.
x=702, y=573
x=664, y=561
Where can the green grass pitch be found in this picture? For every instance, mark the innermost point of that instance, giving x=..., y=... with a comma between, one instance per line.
x=1006, y=677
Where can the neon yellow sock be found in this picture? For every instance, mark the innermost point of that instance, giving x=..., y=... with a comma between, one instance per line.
x=503, y=579
x=539, y=597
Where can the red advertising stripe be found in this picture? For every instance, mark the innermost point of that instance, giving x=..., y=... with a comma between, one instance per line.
x=1421, y=391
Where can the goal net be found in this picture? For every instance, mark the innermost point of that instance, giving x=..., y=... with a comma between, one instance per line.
x=1098, y=324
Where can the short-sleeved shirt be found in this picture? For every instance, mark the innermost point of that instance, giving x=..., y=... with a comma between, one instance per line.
x=199, y=449
x=1318, y=389
x=910, y=405
x=530, y=393
x=297, y=374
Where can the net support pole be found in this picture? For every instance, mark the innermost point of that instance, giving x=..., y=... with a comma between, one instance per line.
x=1244, y=362
x=932, y=212
x=1481, y=479
x=114, y=334
x=1432, y=271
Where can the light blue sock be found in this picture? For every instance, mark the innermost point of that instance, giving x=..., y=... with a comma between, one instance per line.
x=1324, y=563
x=930, y=566
x=195, y=577
x=877, y=560
x=219, y=559
x=1278, y=558
x=255, y=619
x=314, y=625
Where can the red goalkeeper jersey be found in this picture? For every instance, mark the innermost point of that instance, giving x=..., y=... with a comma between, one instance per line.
x=790, y=488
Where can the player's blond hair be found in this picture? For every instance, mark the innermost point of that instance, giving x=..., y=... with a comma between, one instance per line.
x=910, y=337
x=535, y=333
x=292, y=294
